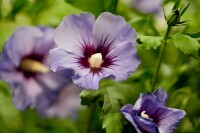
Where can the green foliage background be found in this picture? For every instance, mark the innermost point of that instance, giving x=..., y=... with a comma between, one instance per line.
x=179, y=73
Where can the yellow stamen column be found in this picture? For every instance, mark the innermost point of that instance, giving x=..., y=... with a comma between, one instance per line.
x=95, y=60
x=144, y=115
x=29, y=65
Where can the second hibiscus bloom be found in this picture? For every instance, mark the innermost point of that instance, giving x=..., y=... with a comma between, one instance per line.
x=150, y=115
x=104, y=48
x=24, y=65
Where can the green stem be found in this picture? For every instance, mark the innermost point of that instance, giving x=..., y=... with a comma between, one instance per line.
x=89, y=116
x=0, y=8
x=161, y=53
x=115, y=6
x=1, y=16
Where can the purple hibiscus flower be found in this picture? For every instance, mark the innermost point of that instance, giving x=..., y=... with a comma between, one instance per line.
x=104, y=48
x=25, y=67
x=147, y=6
x=149, y=114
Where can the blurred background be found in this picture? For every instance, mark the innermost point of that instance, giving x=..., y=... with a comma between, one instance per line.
x=179, y=74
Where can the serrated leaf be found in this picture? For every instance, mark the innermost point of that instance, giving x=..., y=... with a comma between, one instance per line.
x=187, y=45
x=148, y=42
x=111, y=115
x=94, y=6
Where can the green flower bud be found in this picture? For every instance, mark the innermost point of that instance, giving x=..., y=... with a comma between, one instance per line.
x=174, y=18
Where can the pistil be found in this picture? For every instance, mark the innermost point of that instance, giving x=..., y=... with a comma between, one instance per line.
x=144, y=115
x=95, y=60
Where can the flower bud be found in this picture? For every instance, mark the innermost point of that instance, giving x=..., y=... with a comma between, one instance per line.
x=174, y=18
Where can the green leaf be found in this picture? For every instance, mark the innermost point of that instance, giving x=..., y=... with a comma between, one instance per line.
x=8, y=113
x=148, y=42
x=194, y=35
x=17, y=6
x=176, y=4
x=89, y=97
x=187, y=45
x=94, y=6
x=110, y=5
x=111, y=115
x=181, y=23
x=38, y=6
x=185, y=9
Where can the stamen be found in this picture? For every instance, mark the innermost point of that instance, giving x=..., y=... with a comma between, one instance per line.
x=95, y=60
x=144, y=115
x=29, y=65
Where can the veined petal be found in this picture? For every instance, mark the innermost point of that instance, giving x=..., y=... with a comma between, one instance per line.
x=6, y=64
x=89, y=81
x=46, y=42
x=145, y=125
x=60, y=96
x=19, y=98
x=128, y=109
x=168, y=119
x=65, y=103
x=124, y=61
x=27, y=91
x=62, y=59
x=161, y=94
x=159, y=97
x=74, y=32
x=13, y=78
x=54, y=81
x=130, y=114
x=110, y=30
x=26, y=94
x=22, y=43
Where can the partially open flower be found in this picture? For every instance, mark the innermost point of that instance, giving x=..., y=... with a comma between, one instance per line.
x=149, y=114
x=25, y=67
x=104, y=48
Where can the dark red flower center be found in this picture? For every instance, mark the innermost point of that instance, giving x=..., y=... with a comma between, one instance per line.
x=31, y=65
x=96, y=58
